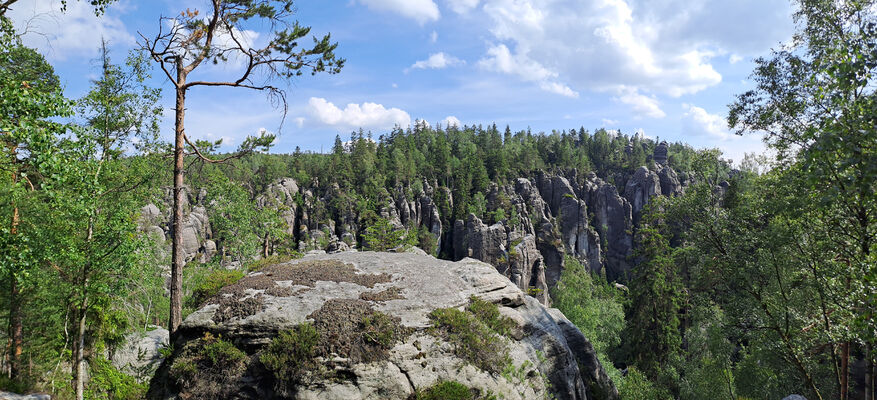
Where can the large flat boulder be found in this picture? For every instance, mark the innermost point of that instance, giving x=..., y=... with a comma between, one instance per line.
x=378, y=333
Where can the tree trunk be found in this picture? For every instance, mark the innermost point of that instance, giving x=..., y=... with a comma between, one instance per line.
x=79, y=355
x=869, y=371
x=844, y=370
x=177, y=260
x=15, y=330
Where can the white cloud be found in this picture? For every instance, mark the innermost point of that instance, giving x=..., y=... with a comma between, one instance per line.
x=421, y=123
x=641, y=133
x=656, y=47
x=450, y=121
x=735, y=58
x=643, y=105
x=697, y=122
x=438, y=61
x=74, y=33
x=608, y=122
x=500, y=59
x=366, y=116
x=421, y=11
x=462, y=6
x=433, y=37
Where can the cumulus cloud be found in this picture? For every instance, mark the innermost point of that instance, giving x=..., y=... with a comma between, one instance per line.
x=462, y=6
x=698, y=122
x=450, y=121
x=437, y=61
x=366, y=116
x=643, y=105
x=657, y=47
x=500, y=59
x=74, y=33
x=422, y=11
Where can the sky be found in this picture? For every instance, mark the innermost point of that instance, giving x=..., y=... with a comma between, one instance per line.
x=664, y=68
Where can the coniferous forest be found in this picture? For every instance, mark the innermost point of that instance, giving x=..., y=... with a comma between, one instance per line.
x=754, y=280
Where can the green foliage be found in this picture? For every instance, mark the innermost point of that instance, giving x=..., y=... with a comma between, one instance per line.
x=451, y=390
x=475, y=333
x=381, y=235
x=107, y=382
x=291, y=353
x=488, y=313
x=257, y=265
x=657, y=296
x=592, y=304
x=206, y=366
x=636, y=386
x=209, y=285
x=378, y=328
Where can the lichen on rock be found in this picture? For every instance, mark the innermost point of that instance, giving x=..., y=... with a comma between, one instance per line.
x=371, y=325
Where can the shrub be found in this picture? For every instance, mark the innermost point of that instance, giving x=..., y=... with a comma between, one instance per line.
x=475, y=333
x=291, y=353
x=488, y=313
x=450, y=390
x=636, y=386
x=107, y=382
x=209, y=285
x=208, y=367
x=273, y=259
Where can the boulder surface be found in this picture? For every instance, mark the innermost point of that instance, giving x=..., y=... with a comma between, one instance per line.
x=384, y=326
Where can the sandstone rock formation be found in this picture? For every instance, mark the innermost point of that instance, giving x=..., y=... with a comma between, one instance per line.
x=530, y=227
x=139, y=355
x=13, y=396
x=544, y=355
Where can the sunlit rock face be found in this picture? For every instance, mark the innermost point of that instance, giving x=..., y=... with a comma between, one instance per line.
x=542, y=354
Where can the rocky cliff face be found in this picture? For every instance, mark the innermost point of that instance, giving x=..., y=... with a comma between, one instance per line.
x=545, y=218
x=230, y=345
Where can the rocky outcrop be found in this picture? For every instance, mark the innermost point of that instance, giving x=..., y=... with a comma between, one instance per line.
x=613, y=218
x=660, y=154
x=546, y=356
x=670, y=184
x=13, y=396
x=552, y=215
x=139, y=355
x=642, y=186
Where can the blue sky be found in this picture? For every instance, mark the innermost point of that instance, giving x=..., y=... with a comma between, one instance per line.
x=666, y=68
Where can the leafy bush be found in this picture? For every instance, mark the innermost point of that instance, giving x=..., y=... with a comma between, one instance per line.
x=488, y=313
x=475, y=333
x=636, y=386
x=208, y=367
x=291, y=353
x=210, y=284
x=591, y=304
x=107, y=382
x=451, y=390
x=382, y=236
x=273, y=259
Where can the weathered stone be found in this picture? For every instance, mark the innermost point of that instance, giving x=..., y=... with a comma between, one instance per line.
x=613, y=222
x=543, y=348
x=139, y=355
x=13, y=396
x=670, y=185
x=640, y=188
x=660, y=154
